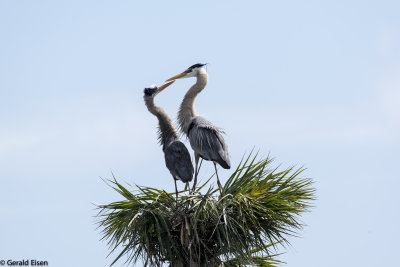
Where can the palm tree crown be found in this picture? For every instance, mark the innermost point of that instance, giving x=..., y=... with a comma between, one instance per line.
x=257, y=210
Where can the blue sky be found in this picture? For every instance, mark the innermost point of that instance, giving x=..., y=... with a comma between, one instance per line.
x=313, y=83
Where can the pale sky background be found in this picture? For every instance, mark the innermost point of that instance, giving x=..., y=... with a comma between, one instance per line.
x=313, y=83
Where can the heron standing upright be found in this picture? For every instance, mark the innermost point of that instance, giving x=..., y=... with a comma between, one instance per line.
x=205, y=138
x=177, y=157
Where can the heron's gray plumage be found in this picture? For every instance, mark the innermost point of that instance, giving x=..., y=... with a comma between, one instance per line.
x=166, y=130
x=177, y=157
x=207, y=140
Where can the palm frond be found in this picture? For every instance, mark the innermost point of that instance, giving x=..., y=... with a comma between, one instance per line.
x=258, y=209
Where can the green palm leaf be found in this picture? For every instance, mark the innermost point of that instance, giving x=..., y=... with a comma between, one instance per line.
x=258, y=209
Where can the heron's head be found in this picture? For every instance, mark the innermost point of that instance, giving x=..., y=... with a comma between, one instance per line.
x=192, y=71
x=153, y=90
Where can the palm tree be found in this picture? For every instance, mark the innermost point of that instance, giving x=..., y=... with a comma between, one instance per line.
x=257, y=210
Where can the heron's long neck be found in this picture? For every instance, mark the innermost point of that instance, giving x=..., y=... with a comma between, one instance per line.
x=167, y=132
x=186, y=111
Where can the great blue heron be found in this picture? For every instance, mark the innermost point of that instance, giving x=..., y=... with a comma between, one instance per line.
x=205, y=138
x=177, y=157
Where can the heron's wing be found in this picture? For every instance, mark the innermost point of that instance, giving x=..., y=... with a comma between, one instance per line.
x=177, y=159
x=207, y=140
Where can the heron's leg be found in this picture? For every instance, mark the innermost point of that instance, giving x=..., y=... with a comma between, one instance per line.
x=196, y=172
x=218, y=182
x=187, y=186
x=176, y=190
x=201, y=161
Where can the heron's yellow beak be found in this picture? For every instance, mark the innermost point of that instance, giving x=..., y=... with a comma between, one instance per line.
x=180, y=75
x=162, y=87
